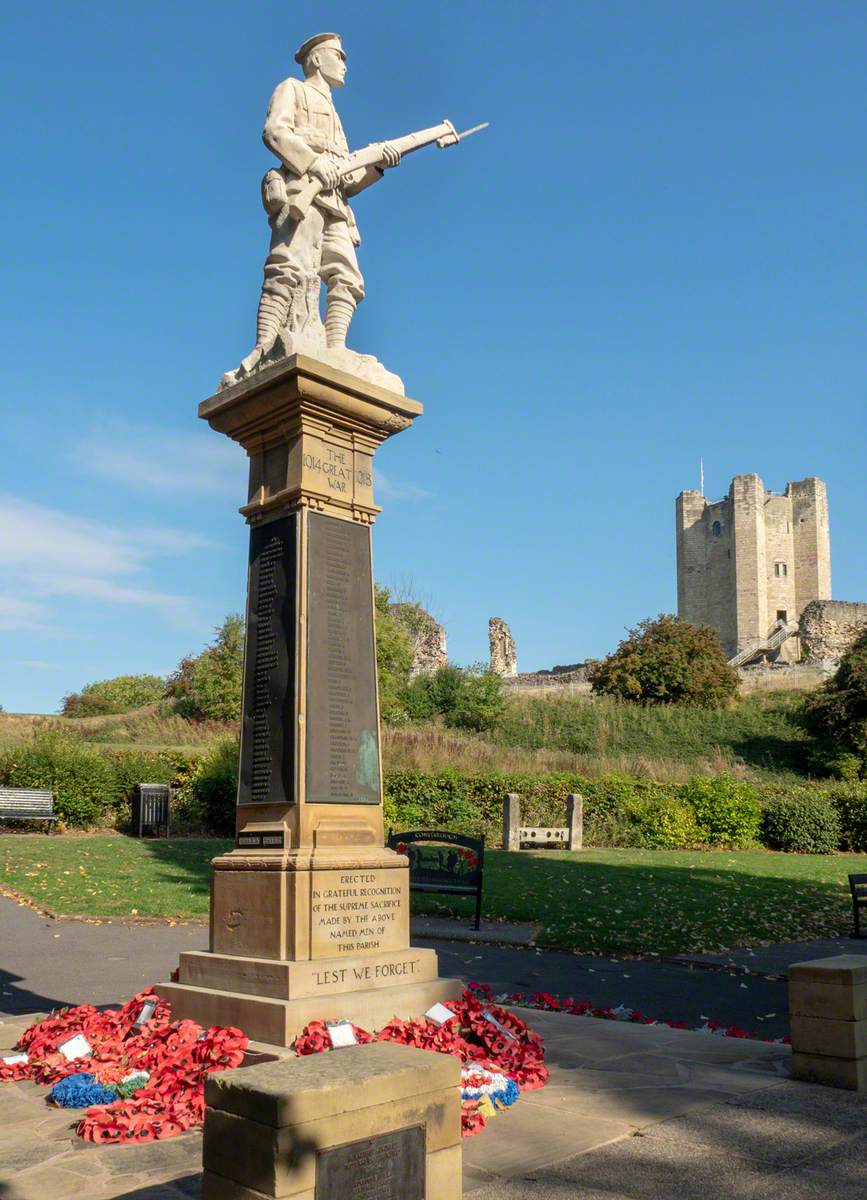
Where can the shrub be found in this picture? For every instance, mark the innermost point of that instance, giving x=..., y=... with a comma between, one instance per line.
x=118, y=695
x=465, y=697
x=130, y=767
x=727, y=813
x=850, y=801
x=208, y=687
x=214, y=788
x=802, y=822
x=667, y=661
x=836, y=715
x=659, y=823
x=81, y=778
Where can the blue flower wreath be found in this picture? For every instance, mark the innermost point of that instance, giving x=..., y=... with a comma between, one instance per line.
x=80, y=1091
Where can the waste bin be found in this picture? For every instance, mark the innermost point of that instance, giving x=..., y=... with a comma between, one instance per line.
x=150, y=809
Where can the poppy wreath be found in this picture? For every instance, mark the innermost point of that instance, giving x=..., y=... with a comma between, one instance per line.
x=481, y=1035
x=175, y=1055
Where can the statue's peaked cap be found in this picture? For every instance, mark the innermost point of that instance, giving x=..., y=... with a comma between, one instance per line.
x=317, y=40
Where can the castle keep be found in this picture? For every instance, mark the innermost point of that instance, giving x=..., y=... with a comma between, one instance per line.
x=748, y=565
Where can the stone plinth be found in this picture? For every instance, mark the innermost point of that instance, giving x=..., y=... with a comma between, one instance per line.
x=310, y=905
x=379, y=1121
x=828, y=1010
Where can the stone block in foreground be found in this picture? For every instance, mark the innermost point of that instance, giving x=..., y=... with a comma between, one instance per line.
x=380, y=1121
x=828, y=1007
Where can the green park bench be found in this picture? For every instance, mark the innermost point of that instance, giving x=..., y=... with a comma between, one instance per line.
x=444, y=862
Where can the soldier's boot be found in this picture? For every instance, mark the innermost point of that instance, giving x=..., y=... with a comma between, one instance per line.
x=338, y=314
x=273, y=311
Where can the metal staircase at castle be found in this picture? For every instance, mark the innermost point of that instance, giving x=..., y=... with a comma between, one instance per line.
x=781, y=631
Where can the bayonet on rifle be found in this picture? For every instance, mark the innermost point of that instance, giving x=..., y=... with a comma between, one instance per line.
x=443, y=134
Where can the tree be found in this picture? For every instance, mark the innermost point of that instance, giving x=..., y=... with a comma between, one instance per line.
x=119, y=695
x=393, y=657
x=667, y=661
x=836, y=715
x=209, y=685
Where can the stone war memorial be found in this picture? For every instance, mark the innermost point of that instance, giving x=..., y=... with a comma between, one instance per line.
x=310, y=912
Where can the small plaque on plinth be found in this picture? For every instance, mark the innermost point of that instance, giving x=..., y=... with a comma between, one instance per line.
x=261, y=840
x=389, y=1167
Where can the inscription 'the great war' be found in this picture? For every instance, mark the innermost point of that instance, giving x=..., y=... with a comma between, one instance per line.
x=337, y=469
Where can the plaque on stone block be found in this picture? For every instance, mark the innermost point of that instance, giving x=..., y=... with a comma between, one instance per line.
x=342, y=738
x=268, y=728
x=388, y=1167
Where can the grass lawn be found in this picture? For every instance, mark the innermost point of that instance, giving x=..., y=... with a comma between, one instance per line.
x=630, y=901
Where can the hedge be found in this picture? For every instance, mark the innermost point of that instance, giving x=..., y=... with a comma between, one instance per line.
x=802, y=822
x=94, y=788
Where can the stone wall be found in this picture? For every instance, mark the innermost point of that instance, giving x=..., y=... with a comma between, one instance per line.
x=829, y=627
x=784, y=677
x=558, y=682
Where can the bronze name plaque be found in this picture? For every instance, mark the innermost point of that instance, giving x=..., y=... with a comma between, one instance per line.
x=388, y=1167
x=268, y=725
x=342, y=734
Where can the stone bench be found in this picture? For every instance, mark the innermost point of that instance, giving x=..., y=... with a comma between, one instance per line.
x=375, y=1122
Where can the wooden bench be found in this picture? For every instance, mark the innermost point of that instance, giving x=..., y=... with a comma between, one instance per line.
x=858, y=888
x=449, y=863
x=27, y=804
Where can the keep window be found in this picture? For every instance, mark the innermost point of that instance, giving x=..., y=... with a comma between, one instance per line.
x=780, y=569
x=716, y=528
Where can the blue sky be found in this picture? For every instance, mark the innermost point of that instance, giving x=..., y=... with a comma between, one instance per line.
x=655, y=253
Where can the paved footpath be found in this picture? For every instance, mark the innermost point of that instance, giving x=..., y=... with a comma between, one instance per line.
x=630, y=1112
x=45, y=963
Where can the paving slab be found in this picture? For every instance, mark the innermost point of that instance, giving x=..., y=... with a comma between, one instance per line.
x=528, y=1138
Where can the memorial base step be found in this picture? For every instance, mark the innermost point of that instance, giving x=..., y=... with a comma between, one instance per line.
x=289, y=980
x=278, y=1022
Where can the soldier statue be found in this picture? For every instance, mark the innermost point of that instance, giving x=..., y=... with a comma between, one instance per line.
x=313, y=230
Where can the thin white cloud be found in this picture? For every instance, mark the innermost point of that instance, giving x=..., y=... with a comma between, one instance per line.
x=45, y=553
x=16, y=613
x=390, y=490
x=160, y=461
x=35, y=664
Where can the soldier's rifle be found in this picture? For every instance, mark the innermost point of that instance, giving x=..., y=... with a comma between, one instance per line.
x=443, y=134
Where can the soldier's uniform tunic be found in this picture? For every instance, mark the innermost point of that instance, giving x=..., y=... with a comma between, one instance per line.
x=302, y=123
